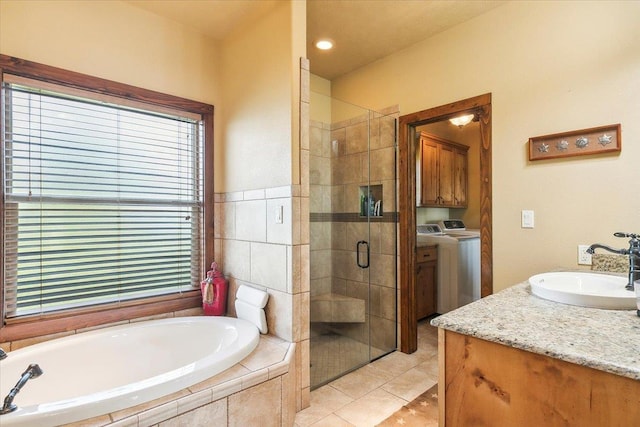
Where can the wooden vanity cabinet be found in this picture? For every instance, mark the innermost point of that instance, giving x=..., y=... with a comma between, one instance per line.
x=426, y=281
x=484, y=383
x=443, y=168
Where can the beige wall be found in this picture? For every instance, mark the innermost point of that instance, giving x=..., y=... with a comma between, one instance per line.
x=551, y=67
x=256, y=116
x=260, y=102
x=113, y=40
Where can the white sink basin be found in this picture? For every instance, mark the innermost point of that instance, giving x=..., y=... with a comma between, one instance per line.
x=584, y=289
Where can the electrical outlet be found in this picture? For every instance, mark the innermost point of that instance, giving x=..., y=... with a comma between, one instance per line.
x=584, y=257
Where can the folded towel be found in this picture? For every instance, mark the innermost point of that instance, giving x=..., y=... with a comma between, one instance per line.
x=207, y=293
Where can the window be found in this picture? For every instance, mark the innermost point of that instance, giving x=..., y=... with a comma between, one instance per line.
x=103, y=197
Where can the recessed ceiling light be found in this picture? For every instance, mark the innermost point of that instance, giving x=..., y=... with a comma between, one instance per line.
x=324, y=44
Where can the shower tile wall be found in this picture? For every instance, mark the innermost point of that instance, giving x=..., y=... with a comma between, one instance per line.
x=320, y=203
x=339, y=166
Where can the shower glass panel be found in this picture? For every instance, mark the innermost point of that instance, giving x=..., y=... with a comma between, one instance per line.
x=353, y=222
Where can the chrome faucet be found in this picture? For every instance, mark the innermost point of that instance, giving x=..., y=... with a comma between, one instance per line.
x=3, y=354
x=32, y=371
x=633, y=252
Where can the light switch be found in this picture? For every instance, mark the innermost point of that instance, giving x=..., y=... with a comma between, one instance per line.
x=279, y=214
x=527, y=219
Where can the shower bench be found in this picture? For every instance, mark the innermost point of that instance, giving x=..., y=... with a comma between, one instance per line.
x=336, y=308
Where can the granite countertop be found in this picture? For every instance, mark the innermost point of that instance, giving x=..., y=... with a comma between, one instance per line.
x=608, y=340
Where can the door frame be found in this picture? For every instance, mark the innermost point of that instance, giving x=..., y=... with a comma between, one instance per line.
x=481, y=107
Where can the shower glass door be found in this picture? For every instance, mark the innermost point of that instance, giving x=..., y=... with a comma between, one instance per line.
x=353, y=226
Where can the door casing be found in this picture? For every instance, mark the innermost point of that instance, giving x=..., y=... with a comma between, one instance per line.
x=481, y=106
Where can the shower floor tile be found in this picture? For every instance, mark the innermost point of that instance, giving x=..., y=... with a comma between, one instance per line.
x=332, y=355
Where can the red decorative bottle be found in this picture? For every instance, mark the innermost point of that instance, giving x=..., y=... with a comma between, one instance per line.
x=214, y=292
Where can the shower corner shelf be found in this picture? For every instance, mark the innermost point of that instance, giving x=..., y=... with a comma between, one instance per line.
x=368, y=209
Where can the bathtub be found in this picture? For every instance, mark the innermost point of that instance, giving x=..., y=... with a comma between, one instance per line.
x=106, y=370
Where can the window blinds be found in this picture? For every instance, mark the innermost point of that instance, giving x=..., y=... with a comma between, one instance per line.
x=103, y=202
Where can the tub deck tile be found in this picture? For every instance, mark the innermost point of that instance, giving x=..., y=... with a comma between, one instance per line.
x=267, y=353
x=127, y=412
x=126, y=422
x=232, y=373
x=194, y=400
x=227, y=388
x=98, y=421
x=278, y=369
x=255, y=378
x=268, y=371
x=158, y=414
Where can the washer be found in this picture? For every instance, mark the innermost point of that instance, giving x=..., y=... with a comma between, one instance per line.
x=456, y=227
x=458, y=262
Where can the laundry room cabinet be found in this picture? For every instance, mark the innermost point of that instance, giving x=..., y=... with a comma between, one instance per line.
x=443, y=172
x=426, y=281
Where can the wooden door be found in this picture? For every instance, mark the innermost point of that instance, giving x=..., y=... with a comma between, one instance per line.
x=429, y=172
x=460, y=178
x=446, y=171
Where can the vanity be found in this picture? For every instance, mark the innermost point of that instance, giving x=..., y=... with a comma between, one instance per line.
x=515, y=359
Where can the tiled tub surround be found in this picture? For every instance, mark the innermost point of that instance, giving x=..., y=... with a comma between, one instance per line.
x=126, y=364
x=262, y=240
x=606, y=340
x=256, y=391
x=254, y=249
x=263, y=381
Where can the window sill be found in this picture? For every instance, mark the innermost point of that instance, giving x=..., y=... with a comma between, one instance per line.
x=34, y=326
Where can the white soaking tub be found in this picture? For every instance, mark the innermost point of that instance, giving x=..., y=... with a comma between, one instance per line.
x=106, y=370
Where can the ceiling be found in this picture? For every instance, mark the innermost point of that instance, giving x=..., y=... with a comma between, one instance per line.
x=363, y=30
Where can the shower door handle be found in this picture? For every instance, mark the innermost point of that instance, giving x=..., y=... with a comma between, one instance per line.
x=362, y=242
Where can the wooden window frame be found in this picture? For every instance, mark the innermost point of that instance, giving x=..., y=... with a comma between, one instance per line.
x=74, y=319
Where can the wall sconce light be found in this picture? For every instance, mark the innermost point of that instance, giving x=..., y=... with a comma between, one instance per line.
x=324, y=44
x=462, y=120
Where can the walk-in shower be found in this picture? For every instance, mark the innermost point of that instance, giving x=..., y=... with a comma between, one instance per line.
x=353, y=221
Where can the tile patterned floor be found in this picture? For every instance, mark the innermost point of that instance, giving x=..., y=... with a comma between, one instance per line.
x=422, y=412
x=369, y=395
